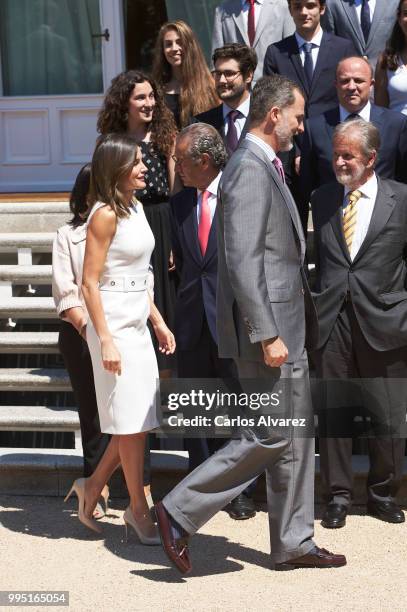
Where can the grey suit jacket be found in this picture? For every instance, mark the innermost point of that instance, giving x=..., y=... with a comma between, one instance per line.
x=274, y=23
x=376, y=278
x=262, y=289
x=340, y=18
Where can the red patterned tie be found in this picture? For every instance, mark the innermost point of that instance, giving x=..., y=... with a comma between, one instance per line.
x=204, y=222
x=251, y=24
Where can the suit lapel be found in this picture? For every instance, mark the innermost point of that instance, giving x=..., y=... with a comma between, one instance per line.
x=190, y=229
x=350, y=12
x=216, y=120
x=323, y=55
x=384, y=205
x=294, y=57
x=337, y=221
x=379, y=13
x=237, y=15
x=212, y=244
x=291, y=205
x=264, y=17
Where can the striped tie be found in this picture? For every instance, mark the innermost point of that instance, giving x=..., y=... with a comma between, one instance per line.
x=349, y=217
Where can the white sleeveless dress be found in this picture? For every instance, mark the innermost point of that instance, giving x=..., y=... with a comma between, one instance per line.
x=127, y=404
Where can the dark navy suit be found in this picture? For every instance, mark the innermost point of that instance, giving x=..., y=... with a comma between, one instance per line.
x=316, y=160
x=284, y=58
x=195, y=309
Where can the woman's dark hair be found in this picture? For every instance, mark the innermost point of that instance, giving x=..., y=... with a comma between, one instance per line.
x=78, y=202
x=114, y=114
x=113, y=158
x=395, y=45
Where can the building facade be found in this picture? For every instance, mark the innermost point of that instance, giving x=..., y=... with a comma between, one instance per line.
x=57, y=58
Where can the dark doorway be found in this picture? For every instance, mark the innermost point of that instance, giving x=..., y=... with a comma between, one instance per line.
x=142, y=20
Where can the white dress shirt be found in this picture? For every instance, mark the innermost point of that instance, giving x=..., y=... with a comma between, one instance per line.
x=364, y=113
x=358, y=7
x=244, y=109
x=212, y=199
x=364, y=210
x=269, y=151
x=245, y=12
x=316, y=43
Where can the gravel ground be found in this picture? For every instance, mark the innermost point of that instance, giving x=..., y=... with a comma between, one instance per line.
x=44, y=547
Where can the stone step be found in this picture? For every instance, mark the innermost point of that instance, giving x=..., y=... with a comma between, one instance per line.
x=52, y=471
x=29, y=343
x=38, y=418
x=24, y=275
x=40, y=242
x=33, y=216
x=34, y=379
x=28, y=308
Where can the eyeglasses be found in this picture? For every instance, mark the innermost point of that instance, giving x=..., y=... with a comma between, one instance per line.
x=229, y=75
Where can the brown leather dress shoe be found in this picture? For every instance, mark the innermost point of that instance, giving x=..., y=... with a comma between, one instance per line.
x=176, y=549
x=317, y=557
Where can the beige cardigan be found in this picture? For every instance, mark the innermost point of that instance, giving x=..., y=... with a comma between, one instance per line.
x=67, y=262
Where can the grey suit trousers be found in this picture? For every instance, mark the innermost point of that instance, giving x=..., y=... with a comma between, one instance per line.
x=289, y=465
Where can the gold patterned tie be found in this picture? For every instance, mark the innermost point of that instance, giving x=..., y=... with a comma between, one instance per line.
x=349, y=217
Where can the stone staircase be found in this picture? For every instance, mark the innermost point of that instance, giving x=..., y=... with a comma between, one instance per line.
x=27, y=233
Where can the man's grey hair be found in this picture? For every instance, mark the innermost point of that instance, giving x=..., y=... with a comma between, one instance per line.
x=367, y=134
x=274, y=90
x=203, y=138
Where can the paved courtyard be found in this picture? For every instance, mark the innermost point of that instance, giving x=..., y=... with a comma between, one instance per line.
x=44, y=547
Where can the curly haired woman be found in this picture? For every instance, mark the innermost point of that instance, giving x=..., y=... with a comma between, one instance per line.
x=134, y=104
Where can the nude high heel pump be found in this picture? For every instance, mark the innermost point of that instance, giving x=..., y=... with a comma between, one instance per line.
x=79, y=488
x=145, y=534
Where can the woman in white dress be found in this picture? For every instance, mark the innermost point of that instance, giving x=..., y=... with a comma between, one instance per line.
x=390, y=88
x=118, y=249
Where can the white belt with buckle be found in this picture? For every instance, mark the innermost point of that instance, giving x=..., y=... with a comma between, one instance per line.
x=123, y=283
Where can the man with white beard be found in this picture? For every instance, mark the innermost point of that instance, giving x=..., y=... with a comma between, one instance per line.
x=361, y=237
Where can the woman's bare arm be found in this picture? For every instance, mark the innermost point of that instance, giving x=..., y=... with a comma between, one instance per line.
x=101, y=230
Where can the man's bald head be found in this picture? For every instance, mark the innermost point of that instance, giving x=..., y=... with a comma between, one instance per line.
x=354, y=78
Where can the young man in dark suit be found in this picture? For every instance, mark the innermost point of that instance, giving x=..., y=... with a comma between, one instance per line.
x=200, y=156
x=309, y=56
x=360, y=225
x=234, y=64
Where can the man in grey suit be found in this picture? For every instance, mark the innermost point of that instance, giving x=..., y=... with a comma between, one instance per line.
x=263, y=301
x=360, y=226
x=256, y=23
x=367, y=24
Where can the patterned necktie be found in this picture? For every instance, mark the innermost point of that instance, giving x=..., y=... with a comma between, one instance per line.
x=308, y=63
x=231, y=137
x=365, y=19
x=204, y=222
x=279, y=167
x=251, y=24
x=349, y=218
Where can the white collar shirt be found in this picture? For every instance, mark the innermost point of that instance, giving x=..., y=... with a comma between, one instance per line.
x=358, y=7
x=245, y=11
x=240, y=121
x=364, y=210
x=364, y=113
x=316, y=43
x=212, y=199
x=269, y=151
